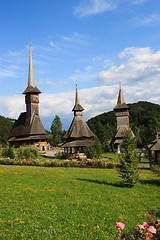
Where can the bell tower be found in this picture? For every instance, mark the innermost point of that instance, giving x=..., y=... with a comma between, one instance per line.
x=121, y=111
x=122, y=118
x=31, y=93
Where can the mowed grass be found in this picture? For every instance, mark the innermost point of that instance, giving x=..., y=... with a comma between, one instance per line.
x=72, y=203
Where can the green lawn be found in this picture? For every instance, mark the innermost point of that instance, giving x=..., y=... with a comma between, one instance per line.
x=72, y=203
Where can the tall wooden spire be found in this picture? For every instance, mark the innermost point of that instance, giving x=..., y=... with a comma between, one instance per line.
x=121, y=103
x=77, y=107
x=31, y=83
x=121, y=99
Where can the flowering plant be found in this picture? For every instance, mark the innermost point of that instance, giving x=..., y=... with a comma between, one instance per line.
x=146, y=232
x=119, y=226
x=141, y=231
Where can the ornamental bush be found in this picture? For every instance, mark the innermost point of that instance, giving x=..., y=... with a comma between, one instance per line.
x=94, y=151
x=8, y=152
x=128, y=170
x=27, y=152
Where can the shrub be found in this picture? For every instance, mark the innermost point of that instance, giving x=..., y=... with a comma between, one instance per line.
x=1, y=149
x=156, y=169
x=98, y=148
x=8, y=152
x=27, y=152
x=128, y=170
x=89, y=151
x=94, y=151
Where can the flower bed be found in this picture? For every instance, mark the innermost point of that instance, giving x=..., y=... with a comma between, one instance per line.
x=95, y=163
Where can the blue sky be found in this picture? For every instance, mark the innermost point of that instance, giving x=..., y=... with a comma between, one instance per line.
x=96, y=43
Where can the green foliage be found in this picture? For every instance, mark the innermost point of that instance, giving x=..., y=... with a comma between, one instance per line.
x=6, y=125
x=94, y=151
x=56, y=129
x=27, y=152
x=1, y=149
x=144, y=120
x=98, y=148
x=128, y=170
x=8, y=152
x=156, y=169
x=89, y=151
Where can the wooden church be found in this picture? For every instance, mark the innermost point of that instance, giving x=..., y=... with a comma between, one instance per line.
x=79, y=134
x=122, y=119
x=28, y=129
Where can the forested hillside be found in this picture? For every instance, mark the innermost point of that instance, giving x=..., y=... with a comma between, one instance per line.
x=5, y=128
x=144, y=121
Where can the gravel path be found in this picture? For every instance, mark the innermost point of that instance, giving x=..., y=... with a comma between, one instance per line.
x=51, y=153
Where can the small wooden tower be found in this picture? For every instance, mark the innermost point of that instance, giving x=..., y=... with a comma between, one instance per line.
x=28, y=129
x=154, y=146
x=79, y=134
x=122, y=118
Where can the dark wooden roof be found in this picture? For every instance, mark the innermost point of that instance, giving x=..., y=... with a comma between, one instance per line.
x=121, y=131
x=120, y=134
x=79, y=143
x=156, y=146
x=31, y=89
x=79, y=129
x=25, y=127
x=121, y=104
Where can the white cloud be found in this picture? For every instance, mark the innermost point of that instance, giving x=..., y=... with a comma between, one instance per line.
x=147, y=20
x=92, y=7
x=52, y=44
x=138, y=1
x=97, y=59
x=51, y=83
x=95, y=101
x=11, y=106
x=76, y=37
x=139, y=64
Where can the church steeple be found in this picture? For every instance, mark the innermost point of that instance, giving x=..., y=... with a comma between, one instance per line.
x=121, y=103
x=31, y=83
x=28, y=129
x=31, y=92
x=77, y=107
x=121, y=99
x=121, y=110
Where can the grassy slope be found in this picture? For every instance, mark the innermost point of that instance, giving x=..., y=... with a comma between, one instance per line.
x=69, y=203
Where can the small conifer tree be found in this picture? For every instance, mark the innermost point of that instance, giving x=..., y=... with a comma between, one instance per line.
x=8, y=152
x=128, y=170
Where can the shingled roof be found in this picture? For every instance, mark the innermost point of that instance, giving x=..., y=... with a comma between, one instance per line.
x=79, y=129
x=121, y=104
x=23, y=127
x=155, y=144
x=79, y=134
